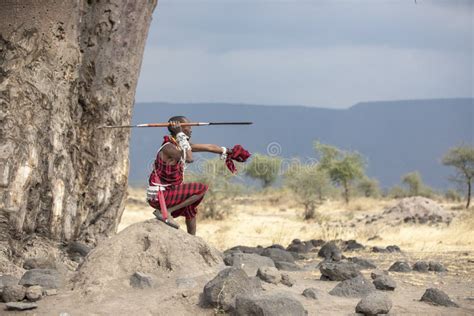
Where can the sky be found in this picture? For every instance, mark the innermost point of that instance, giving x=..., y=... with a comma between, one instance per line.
x=323, y=53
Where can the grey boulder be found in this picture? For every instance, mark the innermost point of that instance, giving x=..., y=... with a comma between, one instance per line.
x=355, y=287
x=13, y=293
x=266, y=305
x=46, y=278
x=141, y=280
x=227, y=285
x=437, y=297
x=385, y=283
x=374, y=304
x=400, y=266
x=20, y=306
x=250, y=262
x=277, y=254
x=339, y=271
x=269, y=275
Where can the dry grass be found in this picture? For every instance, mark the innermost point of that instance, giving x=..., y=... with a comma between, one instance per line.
x=273, y=217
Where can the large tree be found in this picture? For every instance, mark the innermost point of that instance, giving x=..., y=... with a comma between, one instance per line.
x=462, y=159
x=66, y=68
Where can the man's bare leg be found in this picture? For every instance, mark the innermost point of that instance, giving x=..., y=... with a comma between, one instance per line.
x=185, y=203
x=191, y=226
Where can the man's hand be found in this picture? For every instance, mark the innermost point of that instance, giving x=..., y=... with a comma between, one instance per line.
x=175, y=127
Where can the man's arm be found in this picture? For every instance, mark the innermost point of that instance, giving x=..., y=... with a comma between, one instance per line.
x=211, y=148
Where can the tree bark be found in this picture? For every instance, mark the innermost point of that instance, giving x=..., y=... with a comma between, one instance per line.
x=66, y=67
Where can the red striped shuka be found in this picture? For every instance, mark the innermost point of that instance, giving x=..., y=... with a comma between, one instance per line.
x=176, y=191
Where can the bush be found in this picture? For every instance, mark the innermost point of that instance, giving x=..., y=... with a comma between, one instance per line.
x=452, y=195
x=369, y=188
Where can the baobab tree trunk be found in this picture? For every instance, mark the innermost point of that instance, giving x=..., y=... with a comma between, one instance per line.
x=66, y=67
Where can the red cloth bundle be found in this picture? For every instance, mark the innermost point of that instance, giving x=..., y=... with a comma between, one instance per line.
x=237, y=153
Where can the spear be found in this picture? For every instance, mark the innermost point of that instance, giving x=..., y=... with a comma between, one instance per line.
x=182, y=124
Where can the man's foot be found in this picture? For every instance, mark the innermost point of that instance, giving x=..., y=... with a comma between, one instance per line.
x=169, y=221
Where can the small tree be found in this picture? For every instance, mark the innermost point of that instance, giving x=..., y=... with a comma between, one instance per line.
x=264, y=168
x=397, y=192
x=415, y=185
x=462, y=159
x=369, y=187
x=310, y=184
x=343, y=167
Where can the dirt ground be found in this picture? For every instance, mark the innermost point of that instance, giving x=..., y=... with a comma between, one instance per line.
x=265, y=221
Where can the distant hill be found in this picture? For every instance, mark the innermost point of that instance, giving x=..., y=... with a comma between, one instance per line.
x=396, y=137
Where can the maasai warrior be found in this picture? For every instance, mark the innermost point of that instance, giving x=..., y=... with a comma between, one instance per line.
x=181, y=198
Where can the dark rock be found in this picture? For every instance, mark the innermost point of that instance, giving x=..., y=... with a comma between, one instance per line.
x=269, y=275
x=278, y=255
x=379, y=249
x=363, y=263
x=421, y=266
x=13, y=293
x=287, y=280
x=297, y=256
x=400, y=266
x=276, y=246
x=330, y=252
x=300, y=247
x=385, y=283
x=40, y=263
x=250, y=262
x=352, y=245
x=46, y=278
x=317, y=242
x=436, y=267
x=34, y=293
x=393, y=248
x=311, y=293
x=339, y=271
x=437, y=297
x=263, y=305
x=355, y=287
x=287, y=266
x=78, y=248
x=374, y=304
x=227, y=285
x=141, y=280
x=375, y=274
x=245, y=249
x=19, y=306
x=296, y=241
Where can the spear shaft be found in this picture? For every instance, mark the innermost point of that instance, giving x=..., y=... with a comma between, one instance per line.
x=182, y=124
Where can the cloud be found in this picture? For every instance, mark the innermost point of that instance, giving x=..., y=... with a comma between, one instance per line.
x=331, y=77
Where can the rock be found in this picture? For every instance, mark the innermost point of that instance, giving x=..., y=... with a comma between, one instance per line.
x=385, y=283
x=269, y=275
x=287, y=280
x=8, y=280
x=330, y=252
x=47, y=278
x=19, y=306
x=297, y=256
x=13, y=293
x=245, y=249
x=363, y=263
x=417, y=209
x=278, y=255
x=150, y=246
x=287, y=266
x=40, y=263
x=227, y=285
x=311, y=293
x=379, y=249
x=276, y=246
x=437, y=297
x=50, y=292
x=300, y=247
x=250, y=262
x=355, y=287
x=352, y=245
x=186, y=283
x=263, y=305
x=141, y=280
x=393, y=248
x=421, y=266
x=339, y=271
x=374, y=304
x=436, y=267
x=400, y=266
x=78, y=248
x=375, y=274
x=317, y=242
x=34, y=293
